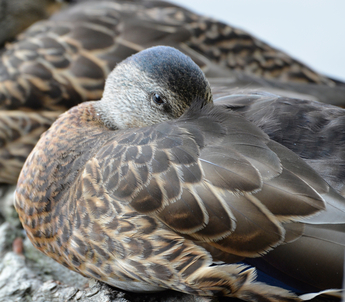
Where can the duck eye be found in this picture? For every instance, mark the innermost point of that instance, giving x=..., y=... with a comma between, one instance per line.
x=157, y=99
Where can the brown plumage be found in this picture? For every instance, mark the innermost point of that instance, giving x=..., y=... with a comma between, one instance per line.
x=65, y=60
x=61, y=62
x=17, y=15
x=122, y=191
x=19, y=133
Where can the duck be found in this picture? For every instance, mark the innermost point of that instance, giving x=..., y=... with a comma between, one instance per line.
x=155, y=187
x=63, y=61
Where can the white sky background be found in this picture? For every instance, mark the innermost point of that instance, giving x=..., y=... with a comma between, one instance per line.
x=312, y=31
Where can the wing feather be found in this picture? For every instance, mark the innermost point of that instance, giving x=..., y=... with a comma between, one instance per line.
x=213, y=176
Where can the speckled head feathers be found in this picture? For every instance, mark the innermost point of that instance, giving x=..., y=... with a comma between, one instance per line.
x=170, y=67
x=162, y=77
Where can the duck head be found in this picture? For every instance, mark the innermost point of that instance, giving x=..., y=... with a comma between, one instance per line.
x=152, y=86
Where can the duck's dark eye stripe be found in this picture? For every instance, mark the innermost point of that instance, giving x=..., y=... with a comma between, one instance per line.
x=157, y=99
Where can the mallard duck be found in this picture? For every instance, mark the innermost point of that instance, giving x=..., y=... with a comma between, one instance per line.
x=17, y=15
x=61, y=62
x=153, y=185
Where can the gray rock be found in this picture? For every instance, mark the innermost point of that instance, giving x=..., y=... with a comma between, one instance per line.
x=7, y=210
x=17, y=281
x=7, y=234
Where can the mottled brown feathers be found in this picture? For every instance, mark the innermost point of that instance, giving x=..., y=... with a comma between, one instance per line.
x=64, y=61
x=19, y=133
x=17, y=15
